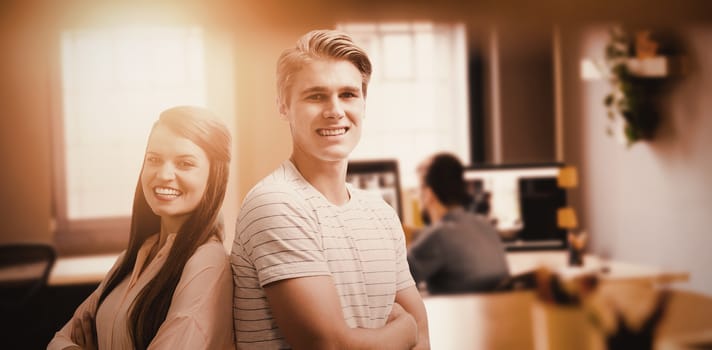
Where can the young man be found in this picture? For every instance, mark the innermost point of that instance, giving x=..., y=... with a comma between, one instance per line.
x=318, y=264
x=459, y=252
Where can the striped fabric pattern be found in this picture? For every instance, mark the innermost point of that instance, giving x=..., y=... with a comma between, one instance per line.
x=287, y=229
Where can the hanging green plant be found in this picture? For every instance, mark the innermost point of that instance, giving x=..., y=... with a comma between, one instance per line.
x=631, y=105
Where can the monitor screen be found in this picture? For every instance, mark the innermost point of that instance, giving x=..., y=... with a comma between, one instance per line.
x=521, y=202
x=380, y=176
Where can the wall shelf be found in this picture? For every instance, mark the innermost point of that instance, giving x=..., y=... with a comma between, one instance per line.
x=652, y=67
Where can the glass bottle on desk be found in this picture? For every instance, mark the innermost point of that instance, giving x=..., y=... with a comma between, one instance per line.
x=577, y=243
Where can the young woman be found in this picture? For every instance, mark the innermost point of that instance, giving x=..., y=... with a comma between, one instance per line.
x=172, y=287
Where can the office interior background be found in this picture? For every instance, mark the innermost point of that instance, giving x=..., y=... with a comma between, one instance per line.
x=505, y=87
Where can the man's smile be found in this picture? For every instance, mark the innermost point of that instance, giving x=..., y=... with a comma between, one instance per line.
x=332, y=131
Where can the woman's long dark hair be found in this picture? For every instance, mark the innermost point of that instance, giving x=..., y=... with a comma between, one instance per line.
x=151, y=305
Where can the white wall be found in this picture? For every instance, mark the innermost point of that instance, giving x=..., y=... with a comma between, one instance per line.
x=650, y=203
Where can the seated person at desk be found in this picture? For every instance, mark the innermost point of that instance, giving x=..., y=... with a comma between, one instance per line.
x=460, y=251
x=172, y=287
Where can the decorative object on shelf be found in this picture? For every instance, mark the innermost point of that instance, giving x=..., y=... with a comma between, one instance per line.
x=634, y=69
x=645, y=47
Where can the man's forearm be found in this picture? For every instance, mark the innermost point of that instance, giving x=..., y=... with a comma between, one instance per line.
x=400, y=333
x=411, y=301
x=421, y=320
x=317, y=322
x=423, y=336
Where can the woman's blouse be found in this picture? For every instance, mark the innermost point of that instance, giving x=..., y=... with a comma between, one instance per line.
x=200, y=314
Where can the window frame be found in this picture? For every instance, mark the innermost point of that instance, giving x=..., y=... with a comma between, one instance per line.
x=460, y=120
x=86, y=236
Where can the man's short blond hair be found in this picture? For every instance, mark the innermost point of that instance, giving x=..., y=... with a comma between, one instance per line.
x=320, y=44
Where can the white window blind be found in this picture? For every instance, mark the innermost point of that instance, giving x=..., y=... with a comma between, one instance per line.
x=115, y=82
x=417, y=99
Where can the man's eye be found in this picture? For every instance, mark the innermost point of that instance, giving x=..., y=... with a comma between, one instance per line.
x=315, y=97
x=348, y=95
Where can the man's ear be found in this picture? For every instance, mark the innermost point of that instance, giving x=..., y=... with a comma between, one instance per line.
x=283, y=108
x=427, y=195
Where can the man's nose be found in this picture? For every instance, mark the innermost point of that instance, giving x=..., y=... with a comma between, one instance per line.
x=334, y=109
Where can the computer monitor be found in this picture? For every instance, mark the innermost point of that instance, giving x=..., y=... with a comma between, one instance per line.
x=521, y=202
x=380, y=176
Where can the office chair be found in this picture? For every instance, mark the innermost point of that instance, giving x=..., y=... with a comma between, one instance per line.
x=24, y=270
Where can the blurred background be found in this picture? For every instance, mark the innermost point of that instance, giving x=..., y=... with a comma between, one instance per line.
x=495, y=82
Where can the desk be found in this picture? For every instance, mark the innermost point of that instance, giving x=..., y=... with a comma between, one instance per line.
x=81, y=269
x=22, y=273
x=480, y=321
x=504, y=321
x=93, y=268
x=521, y=262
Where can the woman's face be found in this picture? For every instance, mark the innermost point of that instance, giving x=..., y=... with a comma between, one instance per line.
x=175, y=176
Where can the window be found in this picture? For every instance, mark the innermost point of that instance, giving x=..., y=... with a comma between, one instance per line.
x=114, y=83
x=417, y=98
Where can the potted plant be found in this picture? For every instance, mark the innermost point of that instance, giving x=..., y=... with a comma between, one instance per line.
x=631, y=104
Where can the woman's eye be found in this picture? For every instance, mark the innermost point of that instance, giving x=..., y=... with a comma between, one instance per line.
x=186, y=164
x=152, y=159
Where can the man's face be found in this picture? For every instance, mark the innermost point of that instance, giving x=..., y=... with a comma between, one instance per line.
x=325, y=109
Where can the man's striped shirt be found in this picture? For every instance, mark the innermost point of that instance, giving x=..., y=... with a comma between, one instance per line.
x=287, y=229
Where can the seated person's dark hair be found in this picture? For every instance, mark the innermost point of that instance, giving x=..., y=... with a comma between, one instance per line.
x=445, y=177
